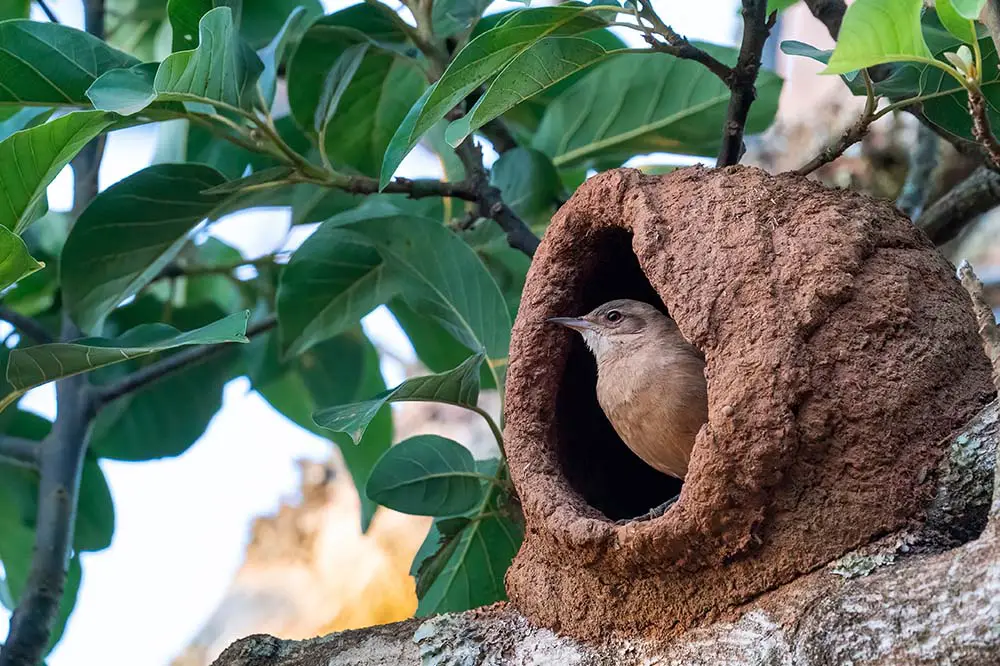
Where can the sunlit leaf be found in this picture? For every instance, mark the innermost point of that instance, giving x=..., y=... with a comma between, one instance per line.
x=15, y=261
x=878, y=31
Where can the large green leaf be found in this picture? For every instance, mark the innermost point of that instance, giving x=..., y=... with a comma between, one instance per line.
x=968, y=9
x=334, y=279
x=540, y=66
x=15, y=261
x=129, y=233
x=960, y=27
x=467, y=570
x=264, y=19
x=444, y=278
x=32, y=158
x=529, y=183
x=642, y=103
x=426, y=475
x=52, y=64
x=33, y=366
x=876, y=32
x=459, y=386
x=480, y=60
x=350, y=57
x=185, y=17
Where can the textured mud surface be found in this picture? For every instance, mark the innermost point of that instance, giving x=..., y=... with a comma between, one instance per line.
x=841, y=352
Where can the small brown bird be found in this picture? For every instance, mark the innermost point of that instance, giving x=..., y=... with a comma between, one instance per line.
x=650, y=382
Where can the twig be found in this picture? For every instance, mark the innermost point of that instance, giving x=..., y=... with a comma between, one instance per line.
x=851, y=135
x=490, y=202
x=19, y=452
x=48, y=12
x=756, y=29
x=923, y=161
x=829, y=12
x=675, y=44
x=981, y=125
x=157, y=371
x=26, y=325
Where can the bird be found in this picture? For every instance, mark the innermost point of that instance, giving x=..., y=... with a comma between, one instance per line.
x=650, y=383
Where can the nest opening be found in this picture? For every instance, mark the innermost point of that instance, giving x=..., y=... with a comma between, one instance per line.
x=594, y=460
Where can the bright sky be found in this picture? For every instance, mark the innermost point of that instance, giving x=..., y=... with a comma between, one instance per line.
x=182, y=523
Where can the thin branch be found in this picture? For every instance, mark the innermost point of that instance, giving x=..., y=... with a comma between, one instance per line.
x=984, y=318
x=27, y=326
x=157, y=371
x=829, y=12
x=851, y=135
x=490, y=202
x=981, y=125
x=48, y=12
x=949, y=215
x=756, y=29
x=19, y=452
x=675, y=44
x=923, y=161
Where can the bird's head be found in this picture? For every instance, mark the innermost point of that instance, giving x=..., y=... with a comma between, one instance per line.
x=618, y=326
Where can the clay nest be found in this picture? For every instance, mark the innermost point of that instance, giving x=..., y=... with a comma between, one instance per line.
x=840, y=352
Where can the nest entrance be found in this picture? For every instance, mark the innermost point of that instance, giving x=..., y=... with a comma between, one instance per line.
x=595, y=461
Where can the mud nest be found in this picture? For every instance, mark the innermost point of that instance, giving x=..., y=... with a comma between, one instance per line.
x=840, y=352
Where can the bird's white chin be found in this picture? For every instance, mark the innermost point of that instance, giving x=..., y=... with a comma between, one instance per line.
x=596, y=343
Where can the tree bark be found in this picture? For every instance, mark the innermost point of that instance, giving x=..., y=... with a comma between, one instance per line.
x=926, y=595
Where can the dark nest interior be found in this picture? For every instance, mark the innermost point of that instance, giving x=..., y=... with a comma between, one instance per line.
x=596, y=462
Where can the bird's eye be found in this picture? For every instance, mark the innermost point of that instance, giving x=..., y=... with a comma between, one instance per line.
x=613, y=316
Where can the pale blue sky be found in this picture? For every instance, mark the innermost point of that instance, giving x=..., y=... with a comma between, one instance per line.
x=182, y=523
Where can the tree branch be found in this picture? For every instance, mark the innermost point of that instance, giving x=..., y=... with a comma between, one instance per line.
x=48, y=12
x=675, y=44
x=851, y=135
x=981, y=126
x=923, y=161
x=490, y=202
x=949, y=215
x=157, y=371
x=756, y=29
x=19, y=452
x=829, y=12
x=26, y=325
x=984, y=318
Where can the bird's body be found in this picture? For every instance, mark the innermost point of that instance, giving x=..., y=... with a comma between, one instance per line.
x=650, y=381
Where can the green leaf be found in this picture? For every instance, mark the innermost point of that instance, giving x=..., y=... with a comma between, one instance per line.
x=14, y=9
x=528, y=181
x=337, y=80
x=222, y=69
x=876, y=32
x=540, y=66
x=435, y=551
x=52, y=64
x=399, y=145
x=960, y=27
x=129, y=233
x=482, y=58
x=185, y=17
x=674, y=106
x=125, y=91
x=459, y=386
x=32, y=158
x=470, y=567
x=273, y=55
x=444, y=278
x=13, y=119
x=33, y=366
x=967, y=9
x=95, y=519
x=263, y=20
x=426, y=475
x=15, y=261
x=779, y=5
x=449, y=17
x=335, y=278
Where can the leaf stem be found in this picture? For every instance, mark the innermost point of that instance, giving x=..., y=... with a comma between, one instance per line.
x=19, y=452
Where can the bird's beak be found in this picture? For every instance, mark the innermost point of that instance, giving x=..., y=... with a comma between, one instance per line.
x=572, y=322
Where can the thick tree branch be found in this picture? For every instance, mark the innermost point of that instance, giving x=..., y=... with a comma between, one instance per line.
x=27, y=326
x=756, y=29
x=949, y=215
x=19, y=452
x=157, y=371
x=984, y=318
x=829, y=12
x=923, y=160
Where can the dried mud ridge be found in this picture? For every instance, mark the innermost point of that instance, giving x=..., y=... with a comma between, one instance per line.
x=841, y=351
